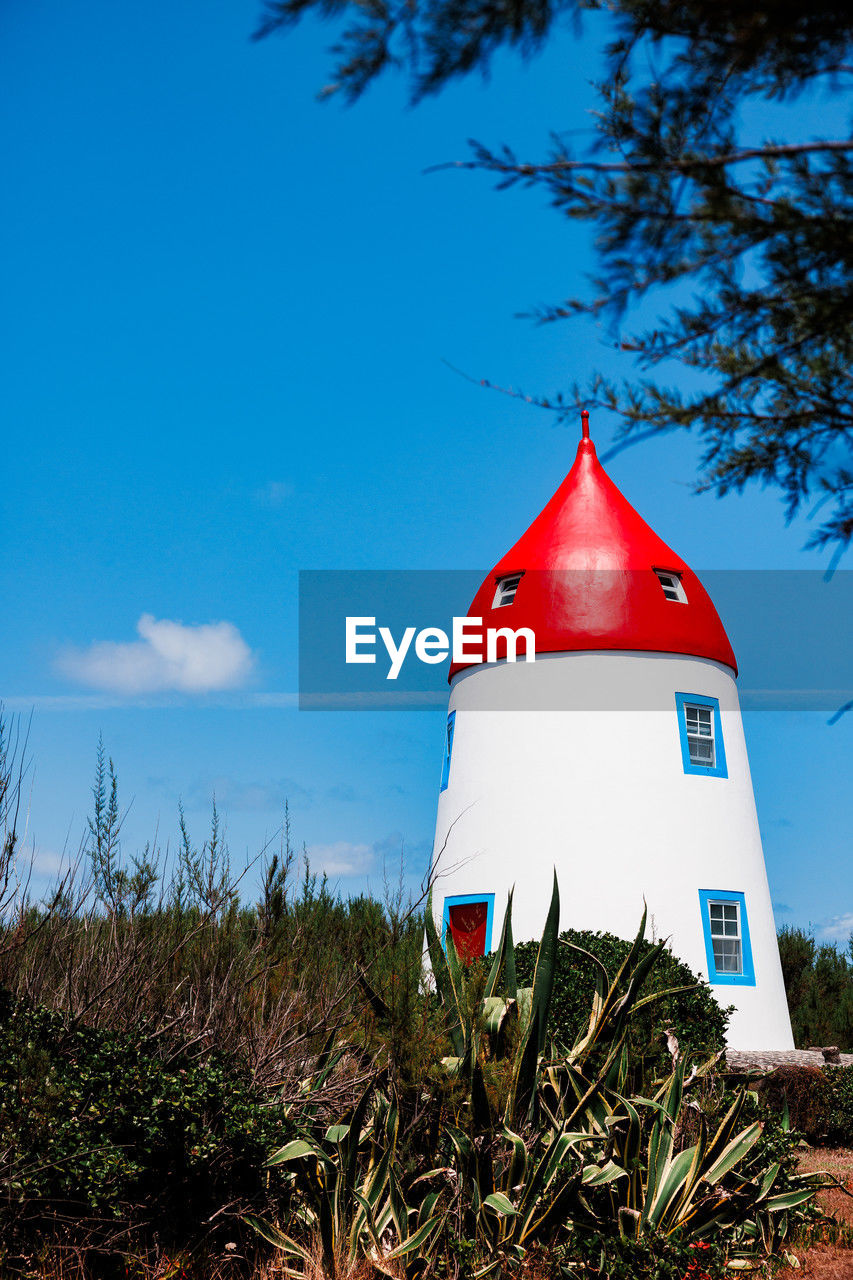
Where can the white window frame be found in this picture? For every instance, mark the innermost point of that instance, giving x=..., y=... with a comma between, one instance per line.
x=506, y=588
x=704, y=721
x=671, y=585
x=730, y=923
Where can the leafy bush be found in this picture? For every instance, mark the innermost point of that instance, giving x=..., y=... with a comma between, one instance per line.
x=806, y=1091
x=694, y=1015
x=609, y=1257
x=94, y=1124
x=840, y=1108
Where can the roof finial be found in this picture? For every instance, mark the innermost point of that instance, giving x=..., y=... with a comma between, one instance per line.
x=585, y=423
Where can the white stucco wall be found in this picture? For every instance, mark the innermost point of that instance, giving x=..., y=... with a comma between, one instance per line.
x=575, y=762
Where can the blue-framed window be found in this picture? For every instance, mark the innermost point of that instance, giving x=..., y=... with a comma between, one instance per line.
x=701, y=733
x=727, y=946
x=448, y=750
x=469, y=916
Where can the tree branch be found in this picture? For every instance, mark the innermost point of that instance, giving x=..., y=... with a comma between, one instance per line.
x=681, y=165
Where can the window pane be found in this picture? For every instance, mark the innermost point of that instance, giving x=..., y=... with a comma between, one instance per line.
x=701, y=750
x=672, y=586
x=731, y=928
x=505, y=590
x=727, y=955
x=716, y=910
x=698, y=719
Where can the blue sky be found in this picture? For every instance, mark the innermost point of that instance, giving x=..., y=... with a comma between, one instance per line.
x=227, y=312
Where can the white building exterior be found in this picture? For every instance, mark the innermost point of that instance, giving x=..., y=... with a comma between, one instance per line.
x=619, y=763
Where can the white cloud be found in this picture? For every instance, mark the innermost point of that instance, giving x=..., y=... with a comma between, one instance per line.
x=341, y=859
x=168, y=656
x=274, y=493
x=46, y=862
x=838, y=928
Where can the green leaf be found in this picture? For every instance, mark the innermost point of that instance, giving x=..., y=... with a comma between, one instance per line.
x=593, y=1176
x=295, y=1150
x=416, y=1240
x=443, y=984
x=789, y=1199
x=534, y=1032
x=499, y=962
x=733, y=1153
x=275, y=1237
x=501, y=1204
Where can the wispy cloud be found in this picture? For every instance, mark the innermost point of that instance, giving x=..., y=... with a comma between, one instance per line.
x=381, y=858
x=168, y=656
x=274, y=493
x=257, y=795
x=342, y=859
x=247, y=701
x=837, y=928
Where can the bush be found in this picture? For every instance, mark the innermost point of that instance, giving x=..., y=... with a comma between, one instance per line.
x=840, y=1108
x=93, y=1125
x=807, y=1093
x=697, y=1020
x=610, y=1257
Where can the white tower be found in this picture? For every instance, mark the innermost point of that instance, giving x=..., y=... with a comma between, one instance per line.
x=617, y=756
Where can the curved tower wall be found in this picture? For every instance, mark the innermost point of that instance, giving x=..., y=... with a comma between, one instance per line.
x=576, y=761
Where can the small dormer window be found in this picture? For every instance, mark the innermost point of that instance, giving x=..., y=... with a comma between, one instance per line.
x=506, y=589
x=672, y=585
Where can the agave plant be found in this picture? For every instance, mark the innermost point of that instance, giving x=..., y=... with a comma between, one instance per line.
x=348, y=1195
x=563, y=1148
x=582, y=1152
x=504, y=1004
x=478, y=1034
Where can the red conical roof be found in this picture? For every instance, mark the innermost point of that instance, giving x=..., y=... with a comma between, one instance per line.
x=588, y=563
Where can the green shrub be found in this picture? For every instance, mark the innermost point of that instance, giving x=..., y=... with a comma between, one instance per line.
x=697, y=1020
x=840, y=1108
x=94, y=1125
x=654, y=1257
x=806, y=1090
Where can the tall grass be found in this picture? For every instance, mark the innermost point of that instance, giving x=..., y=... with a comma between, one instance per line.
x=170, y=947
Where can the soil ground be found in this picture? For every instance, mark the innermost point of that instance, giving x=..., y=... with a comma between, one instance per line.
x=831, y=1258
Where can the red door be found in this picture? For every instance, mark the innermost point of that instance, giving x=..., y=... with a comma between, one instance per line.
x=468, y=928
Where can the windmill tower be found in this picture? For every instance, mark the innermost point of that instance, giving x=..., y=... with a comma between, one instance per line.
x=617, y=756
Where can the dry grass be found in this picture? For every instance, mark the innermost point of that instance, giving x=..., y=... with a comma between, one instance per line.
x=229, y=1265
x=830, y=1255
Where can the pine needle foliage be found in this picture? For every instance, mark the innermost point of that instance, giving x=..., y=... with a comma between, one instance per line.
x=737, y=242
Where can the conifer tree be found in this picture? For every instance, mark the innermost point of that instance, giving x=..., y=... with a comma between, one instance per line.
x=743, y=242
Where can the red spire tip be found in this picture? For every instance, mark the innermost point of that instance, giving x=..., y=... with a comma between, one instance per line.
x=585, y=423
